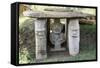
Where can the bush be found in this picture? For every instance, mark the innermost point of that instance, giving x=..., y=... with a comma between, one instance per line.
x=87, y=36
x=26, y=41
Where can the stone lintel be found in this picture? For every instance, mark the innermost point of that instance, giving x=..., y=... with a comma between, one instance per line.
x=48, y=14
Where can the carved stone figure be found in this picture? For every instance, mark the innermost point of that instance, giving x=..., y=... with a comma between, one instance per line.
x=73, y=36
x=40, y=35
x=56, y=36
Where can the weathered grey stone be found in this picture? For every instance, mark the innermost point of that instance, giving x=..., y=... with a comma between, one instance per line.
x=41, y=41
x=56, y=36
x=58, y=9
x=48, y=14
x=73, y=36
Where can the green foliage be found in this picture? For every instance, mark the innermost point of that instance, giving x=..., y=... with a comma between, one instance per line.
x=23, y=56
x=26, y=41
x=87, y=35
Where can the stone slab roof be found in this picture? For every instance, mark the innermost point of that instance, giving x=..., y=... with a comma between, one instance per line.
x=54, y=14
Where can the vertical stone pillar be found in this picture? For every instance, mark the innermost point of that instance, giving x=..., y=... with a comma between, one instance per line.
x=73, y=36
x=40, y=37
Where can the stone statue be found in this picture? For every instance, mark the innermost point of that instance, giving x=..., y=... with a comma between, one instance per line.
x=56, y=36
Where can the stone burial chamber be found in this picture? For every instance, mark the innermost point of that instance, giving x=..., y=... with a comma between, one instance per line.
x=53, y=33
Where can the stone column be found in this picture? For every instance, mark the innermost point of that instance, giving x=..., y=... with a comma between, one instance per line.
x=40, y=37
x=73, y=36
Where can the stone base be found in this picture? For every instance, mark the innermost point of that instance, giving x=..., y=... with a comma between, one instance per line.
x=56, y=49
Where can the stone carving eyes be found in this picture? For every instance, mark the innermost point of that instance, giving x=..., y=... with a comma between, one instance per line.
x=74, y=33
x=74, y=36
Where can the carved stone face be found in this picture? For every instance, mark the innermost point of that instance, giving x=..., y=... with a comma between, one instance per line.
x=57, y=37
x=57, y=27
